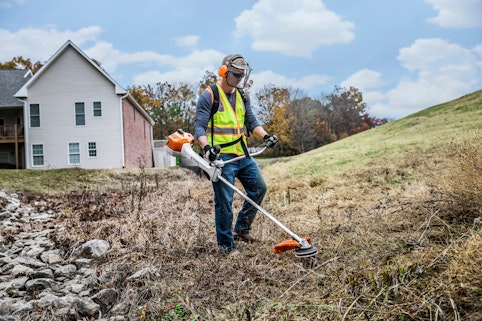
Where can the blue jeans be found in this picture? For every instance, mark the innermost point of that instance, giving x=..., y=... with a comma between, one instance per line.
x=248, y=173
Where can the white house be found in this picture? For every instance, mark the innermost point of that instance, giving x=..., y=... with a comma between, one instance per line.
x=75, y=115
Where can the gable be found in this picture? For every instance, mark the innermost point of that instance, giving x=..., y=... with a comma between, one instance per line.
x=69, y=46
x=71, y=76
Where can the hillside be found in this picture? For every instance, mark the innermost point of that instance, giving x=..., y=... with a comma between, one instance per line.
x=415, y=150
x=394, y=211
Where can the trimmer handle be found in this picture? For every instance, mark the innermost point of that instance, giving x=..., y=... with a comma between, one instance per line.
x=263, y=148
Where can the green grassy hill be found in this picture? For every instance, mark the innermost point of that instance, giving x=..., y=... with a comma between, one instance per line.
x=394, y=211
x=426, y=131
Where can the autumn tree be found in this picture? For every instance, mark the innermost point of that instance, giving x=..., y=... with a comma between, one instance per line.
x=141, y=95
x=374, y=121
x=346, y=112
x=208, y=79
x=171, y=106
x=270, y=106
x=310, y=128
x=186, y=101
x=21, y=63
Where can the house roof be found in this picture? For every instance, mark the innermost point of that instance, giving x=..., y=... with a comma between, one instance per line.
x=11, y=80
x=23, y=92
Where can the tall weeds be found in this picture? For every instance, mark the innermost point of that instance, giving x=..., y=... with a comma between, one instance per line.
x=400, y=242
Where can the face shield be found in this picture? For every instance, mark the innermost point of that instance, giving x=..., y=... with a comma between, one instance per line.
x=238, y=73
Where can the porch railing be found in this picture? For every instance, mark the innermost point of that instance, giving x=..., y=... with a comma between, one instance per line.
x=11, y=132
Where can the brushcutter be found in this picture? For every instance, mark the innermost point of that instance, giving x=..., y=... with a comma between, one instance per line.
x=180, y=145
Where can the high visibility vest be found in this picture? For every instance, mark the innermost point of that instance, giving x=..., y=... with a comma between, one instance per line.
x=228, y=124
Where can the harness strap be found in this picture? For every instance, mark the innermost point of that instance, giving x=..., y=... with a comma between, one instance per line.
x=214, y=108
x=243, y=145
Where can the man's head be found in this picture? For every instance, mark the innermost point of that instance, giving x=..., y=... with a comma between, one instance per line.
x=235, y=70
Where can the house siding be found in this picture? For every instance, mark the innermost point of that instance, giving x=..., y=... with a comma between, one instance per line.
x=137, y=137
x=69, y=80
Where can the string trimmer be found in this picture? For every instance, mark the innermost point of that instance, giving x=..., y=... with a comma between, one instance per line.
x=180, y=145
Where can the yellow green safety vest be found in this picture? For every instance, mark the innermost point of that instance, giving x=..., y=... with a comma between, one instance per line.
x=228, y=124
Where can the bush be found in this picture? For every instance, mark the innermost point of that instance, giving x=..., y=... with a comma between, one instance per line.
x=461, y=187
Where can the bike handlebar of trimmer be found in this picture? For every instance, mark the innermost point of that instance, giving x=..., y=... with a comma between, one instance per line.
x=244, y=156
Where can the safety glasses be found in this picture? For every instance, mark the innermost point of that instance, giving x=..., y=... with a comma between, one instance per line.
x=237, y=75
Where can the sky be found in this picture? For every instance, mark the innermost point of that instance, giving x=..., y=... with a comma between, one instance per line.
x=403, y=55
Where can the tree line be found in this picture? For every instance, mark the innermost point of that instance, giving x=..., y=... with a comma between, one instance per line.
x=302, y=123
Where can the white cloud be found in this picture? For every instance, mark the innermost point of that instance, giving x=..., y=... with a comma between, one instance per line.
x=110, y=57
x=428, y=55
x=478, y=51
x=176, y=75
x=307, y=83
x=187, y=41
x=457, y=14
x=442, y=71
x=363, y=79
x=41, y=44
x=190, y=68
x=294, y=28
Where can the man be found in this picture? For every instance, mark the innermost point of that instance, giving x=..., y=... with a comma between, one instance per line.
x=223, y=136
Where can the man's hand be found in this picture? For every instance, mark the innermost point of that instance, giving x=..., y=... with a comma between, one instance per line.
x=270, y=140
x=211, y=153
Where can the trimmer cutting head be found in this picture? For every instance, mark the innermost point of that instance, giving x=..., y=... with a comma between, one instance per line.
x=306, y=252
x=305, y=249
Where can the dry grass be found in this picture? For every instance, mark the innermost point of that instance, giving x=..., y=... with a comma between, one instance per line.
x=390, y=246
x=395, y=213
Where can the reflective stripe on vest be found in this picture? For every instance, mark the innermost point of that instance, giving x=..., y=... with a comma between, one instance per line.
x=228, y=124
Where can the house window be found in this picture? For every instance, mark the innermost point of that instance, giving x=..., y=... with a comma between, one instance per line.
x=92, y=149
x=74, y=153
x=79, y=114
x=37, y=154
x=97, y=109
x=34, y=115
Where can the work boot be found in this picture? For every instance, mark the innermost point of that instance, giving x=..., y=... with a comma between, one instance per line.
x=244, y=237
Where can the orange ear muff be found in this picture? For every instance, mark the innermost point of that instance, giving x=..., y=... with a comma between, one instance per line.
x=223, y=71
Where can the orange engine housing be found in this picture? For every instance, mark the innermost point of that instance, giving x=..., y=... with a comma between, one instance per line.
x=179, y=138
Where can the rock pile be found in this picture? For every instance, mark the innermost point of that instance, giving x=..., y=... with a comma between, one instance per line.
x=35, y=280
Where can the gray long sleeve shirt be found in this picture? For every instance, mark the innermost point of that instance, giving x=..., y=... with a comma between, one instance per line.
x=203, y=113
